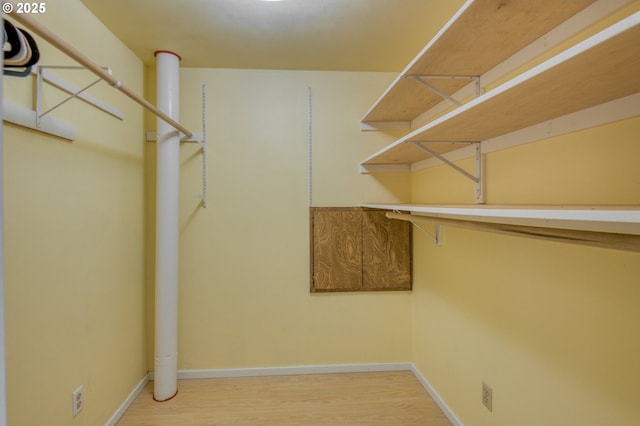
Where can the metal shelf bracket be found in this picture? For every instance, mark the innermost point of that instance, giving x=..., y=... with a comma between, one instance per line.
x=203, y=146
x=201, y=140
x=436, y=236
x=43, y=75
x=478, y=178
x=421, y=79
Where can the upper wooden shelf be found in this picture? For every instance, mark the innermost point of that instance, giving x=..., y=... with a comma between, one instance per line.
x=479, y=36
x=604, y=67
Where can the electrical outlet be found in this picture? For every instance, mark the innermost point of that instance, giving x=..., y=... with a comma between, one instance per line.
x=487, y=396
x=77, y=400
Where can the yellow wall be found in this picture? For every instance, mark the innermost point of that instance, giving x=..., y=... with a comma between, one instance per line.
x=244, y=260
x=553, y=328
x=74, y=212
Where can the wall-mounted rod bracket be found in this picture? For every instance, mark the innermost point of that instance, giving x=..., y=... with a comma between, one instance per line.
x=194, y=138
x=55, y=40
x=200, y=139
x=478, y=178
x=421, y=79
x=436, y=236
x=203, y=146
x=41, y=77
x=43, y=122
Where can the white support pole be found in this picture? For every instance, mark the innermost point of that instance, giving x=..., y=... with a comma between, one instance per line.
x=167, y=229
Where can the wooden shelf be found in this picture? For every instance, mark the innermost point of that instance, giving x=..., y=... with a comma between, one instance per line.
x=602, y=68
x=614, y=227
x=615, y=219
x=479, y=36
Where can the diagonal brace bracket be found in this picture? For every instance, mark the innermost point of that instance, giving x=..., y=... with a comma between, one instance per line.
x=40, y=90
x=478, y=178
x=437, y=232
x=436, y=236
x=421, y=79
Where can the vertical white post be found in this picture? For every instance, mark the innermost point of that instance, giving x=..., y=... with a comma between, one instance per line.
x=167, y=229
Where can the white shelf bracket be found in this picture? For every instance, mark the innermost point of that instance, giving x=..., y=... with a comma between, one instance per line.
x=43, y=75
x=203, y=146
x=41, y=121
x=195, y=137
x=200, y=139
x=436, y=236
x=478, y=178
x=421, y=79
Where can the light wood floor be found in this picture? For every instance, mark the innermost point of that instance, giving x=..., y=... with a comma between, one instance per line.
x=377, y=398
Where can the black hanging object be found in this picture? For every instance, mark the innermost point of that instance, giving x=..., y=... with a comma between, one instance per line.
x=20, y=43
x=35, y=53
x=13, y=38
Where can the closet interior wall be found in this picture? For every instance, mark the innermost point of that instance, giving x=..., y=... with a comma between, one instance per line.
x=551, y=327
x=74, y=238
x=244, y=297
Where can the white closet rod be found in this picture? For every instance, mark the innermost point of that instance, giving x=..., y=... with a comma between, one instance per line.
x=609, y=240
x=73, y=53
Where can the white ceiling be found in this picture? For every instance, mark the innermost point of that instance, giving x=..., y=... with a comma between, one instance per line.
x=344, y=35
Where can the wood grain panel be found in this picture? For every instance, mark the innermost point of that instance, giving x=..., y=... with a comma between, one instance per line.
x=336, y=249
x=356, y=249
x=386, y=252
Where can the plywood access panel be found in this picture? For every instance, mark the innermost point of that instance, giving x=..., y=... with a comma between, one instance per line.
x=386, y=252
x=336, y=237
x=356, y=249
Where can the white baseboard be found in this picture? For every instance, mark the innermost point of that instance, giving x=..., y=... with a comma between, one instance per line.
x=288, y=371
x=128, y=401
x=436, y=397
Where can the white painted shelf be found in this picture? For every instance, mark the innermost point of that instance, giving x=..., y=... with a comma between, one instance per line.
x=479, y=36
x=604, y=67
x=608, y=219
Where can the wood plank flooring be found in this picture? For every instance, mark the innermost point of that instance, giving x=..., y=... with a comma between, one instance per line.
x=376, y=398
